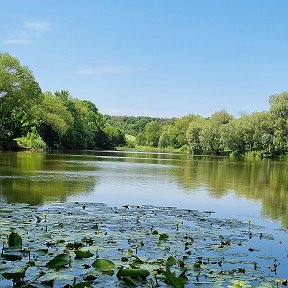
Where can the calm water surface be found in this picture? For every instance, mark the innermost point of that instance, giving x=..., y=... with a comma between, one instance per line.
x=252, y=189
x=255, y=190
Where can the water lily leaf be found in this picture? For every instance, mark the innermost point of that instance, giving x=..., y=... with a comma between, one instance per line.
x=170, y=262
x=129, y=280
x=90, y=277
x=241, y=270
x=59, y=261
x=138, y=260
x=91, y=248
x=130, y=252
x=85, y=284
x=163, y=236
x=173, y=280
x=103, y=265
x=83, y=254
x=11, y=257
x=141, y=273
x=183, y=278
x=75, y=245
x=15, y=273
x=14, y=240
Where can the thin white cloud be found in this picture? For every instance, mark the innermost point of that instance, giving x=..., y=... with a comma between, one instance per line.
x=28, y=31
x=109, y=69
x=37, y=25
x=20, y=37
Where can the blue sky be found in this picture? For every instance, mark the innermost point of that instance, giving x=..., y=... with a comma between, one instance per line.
x=160, y=58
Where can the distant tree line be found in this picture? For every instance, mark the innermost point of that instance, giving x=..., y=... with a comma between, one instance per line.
x=262, y=134
x=32, y=119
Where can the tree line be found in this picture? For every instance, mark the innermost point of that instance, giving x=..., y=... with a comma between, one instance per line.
x=32, y=119
x=262, y=134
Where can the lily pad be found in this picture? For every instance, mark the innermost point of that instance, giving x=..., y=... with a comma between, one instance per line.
x=15, y=240
x=83, y=254
x=59, y=261
x=103, y=265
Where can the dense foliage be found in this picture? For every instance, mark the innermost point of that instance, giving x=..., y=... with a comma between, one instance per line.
x=262, y=134
x=31, y=119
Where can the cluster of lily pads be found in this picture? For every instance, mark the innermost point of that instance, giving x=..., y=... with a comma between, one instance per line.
x=94, y=245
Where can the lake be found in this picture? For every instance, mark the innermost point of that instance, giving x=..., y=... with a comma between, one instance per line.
x=249, y=190
x=232, y=188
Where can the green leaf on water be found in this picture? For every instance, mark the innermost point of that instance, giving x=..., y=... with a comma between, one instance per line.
x=83, y=254
x=182, y=277
x=129, y=280
x=170, y=262
x=141, y=273
x=173, y=280
x=103, y=265
x=15, y=273
x=59, y=261
x=11, y=257
x=14, y=240
x=163, y=236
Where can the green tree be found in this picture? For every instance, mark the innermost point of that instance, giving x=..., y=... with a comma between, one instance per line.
x=114, y=137
x=19, y=94
x=86, y=131
x=164, y=140
x=151, y=134
x=193, y=135
x=263, y=127
x=279, y=111
x=232, y=137
x=181, y=126
x=53, y=119
x=279, y=105
x=210, y=133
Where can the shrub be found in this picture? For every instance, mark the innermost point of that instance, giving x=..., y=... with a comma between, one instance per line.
x=32, y=141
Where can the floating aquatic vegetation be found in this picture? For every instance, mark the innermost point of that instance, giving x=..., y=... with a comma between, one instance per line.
x=93, y=245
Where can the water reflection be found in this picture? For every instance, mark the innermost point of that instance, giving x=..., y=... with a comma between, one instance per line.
x=36, y=178
x=265, y=180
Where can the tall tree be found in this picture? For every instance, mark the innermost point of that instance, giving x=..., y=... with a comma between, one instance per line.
x=53, y=119
x=210, y=133
x=279, y=111
x=182, y=126
x=19, y=94
x=193, y=135
x=232, y=137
